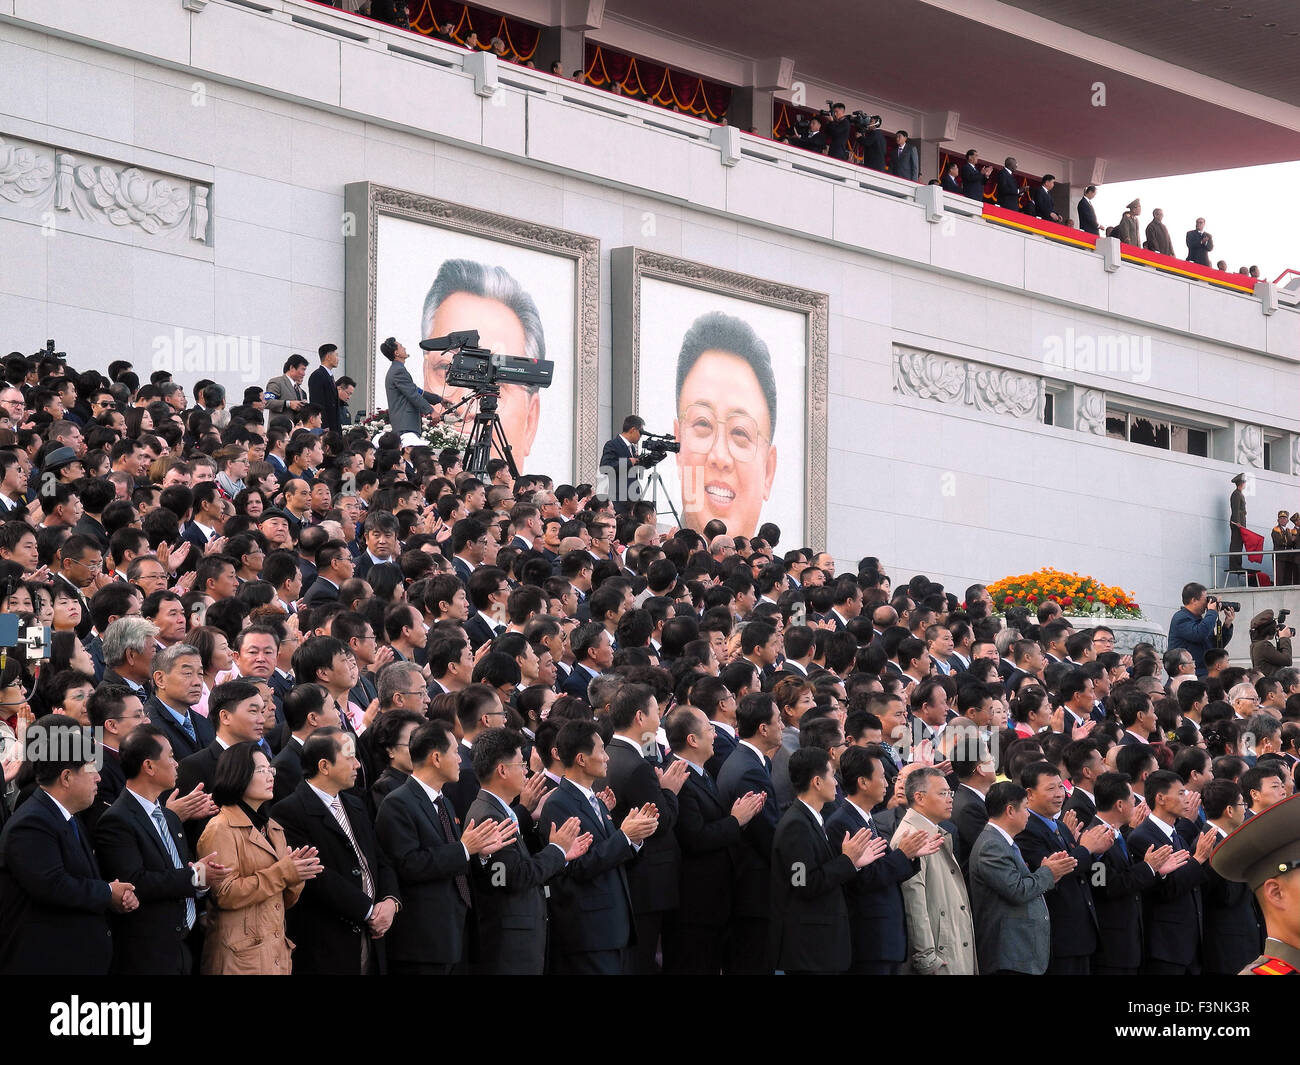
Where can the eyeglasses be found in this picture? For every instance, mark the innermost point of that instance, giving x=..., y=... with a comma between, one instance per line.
x=265, y=770
x=418, y=691
x=700, y=429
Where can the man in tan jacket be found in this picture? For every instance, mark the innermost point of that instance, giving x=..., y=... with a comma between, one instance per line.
x=940, y=931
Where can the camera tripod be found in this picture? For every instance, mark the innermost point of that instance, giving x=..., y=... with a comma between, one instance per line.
x=486, y=432
x=654, y=482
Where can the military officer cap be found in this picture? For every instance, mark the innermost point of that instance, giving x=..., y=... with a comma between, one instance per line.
x=1267, y=845
x=1239, y=479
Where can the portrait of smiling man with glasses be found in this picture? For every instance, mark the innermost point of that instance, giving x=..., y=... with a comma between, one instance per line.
x=726, y=415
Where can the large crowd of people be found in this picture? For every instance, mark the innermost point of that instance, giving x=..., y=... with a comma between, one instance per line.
x=280, y=698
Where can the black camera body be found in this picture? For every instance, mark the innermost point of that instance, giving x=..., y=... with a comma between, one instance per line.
x=656, y=447
x=1223, y=604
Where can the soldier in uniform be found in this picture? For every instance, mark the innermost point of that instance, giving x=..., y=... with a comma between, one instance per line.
x=1265, y=854
x=1236, y=519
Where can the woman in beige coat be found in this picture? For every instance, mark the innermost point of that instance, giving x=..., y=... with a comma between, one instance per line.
x=246, y=910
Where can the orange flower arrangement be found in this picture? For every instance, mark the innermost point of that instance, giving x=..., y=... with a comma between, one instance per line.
x=1078, y=595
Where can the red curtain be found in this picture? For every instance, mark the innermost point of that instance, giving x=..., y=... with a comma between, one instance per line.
x=643, y=79
x=1026, y=182
x=521, y=38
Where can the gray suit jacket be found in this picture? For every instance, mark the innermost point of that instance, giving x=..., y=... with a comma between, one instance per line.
x=1012, y=929
x=908, y=164
x=407, y=404
x=285, y=389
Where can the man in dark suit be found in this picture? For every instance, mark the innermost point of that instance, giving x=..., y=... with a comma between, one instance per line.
x=1172, y=912
x=1073, y=915
x=141, y=841
x=509, y=890
x=1199, y=244
x=973, y=177
x=1119, y=880
x=178, y=683
x=877, y=928
x=478, y=708
x=417, y=833
x=305, y=711
x=907, y=163
x=652, y=875
x=1084, y=763
x=976, y=771
x=1042, y=200
x=339, y=921
x=53, y=901
x=79, y=562
x=708, y=834
x=810, y=921
x=749, y=769
x=593, y=653
x=322, y=391
x=591, y=909
x=839, y=130
x=874, y=146
x=1008, y=189
x=1087, y=215
x=1232, y=931
x=237, y=711
x=620, y=464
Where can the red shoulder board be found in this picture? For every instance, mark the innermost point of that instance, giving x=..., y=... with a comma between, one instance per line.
x=1274, y=967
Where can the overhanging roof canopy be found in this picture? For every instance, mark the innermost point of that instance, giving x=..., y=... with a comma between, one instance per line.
x=1189, y=85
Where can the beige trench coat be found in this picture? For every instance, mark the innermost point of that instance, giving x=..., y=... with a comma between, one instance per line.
x=940, y=930
x=246, y=912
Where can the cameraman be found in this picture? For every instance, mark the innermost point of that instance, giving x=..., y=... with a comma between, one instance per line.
x=1200, y=625
x=1270, y=643
x=619, y=462
x=873, y=145
x=814, y=140
x=838, y=130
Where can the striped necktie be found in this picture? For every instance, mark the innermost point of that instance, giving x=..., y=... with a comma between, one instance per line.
x=161, y=822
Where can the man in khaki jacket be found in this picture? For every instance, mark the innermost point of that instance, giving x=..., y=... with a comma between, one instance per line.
x=940, y=931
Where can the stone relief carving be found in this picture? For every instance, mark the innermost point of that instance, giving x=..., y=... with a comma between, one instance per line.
x=39, y=178
x=1006, y=392
x=1090, y=412
x=925, y=375
x=1250, y=446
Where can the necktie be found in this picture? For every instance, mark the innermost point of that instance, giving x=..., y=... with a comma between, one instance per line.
x=462, y=885
x=1123, y=847
x=161, y=822
x=598, y=808
x=188, y=726
x=709, y=786
x=367, y=881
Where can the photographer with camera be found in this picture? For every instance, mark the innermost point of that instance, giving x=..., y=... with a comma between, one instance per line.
x=620, y=464
x=873, y=143
x=809, y=136
x=1270, y=642
x=838, y=129
x=1202, y=624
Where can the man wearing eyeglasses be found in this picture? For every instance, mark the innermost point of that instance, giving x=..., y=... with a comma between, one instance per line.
x=726, y=415
x=81, y=564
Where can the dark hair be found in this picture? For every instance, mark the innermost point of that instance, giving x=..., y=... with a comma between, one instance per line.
x=807, y=763
x=1034, y=771
x=754, y=711
x=575, y=738
x=431, y=737
x=1158, y=783
x=1002, y=794
x=321, y=745
x=143, y=743
x=492, y=747
x=1217, y=796
x=1110, y=789
x=300, y=701
x=716, y=331
x=234, y=772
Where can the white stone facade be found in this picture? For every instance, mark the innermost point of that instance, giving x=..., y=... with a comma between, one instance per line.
x=943, y=329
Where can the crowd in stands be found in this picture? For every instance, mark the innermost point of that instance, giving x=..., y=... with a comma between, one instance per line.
x=285, y=699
